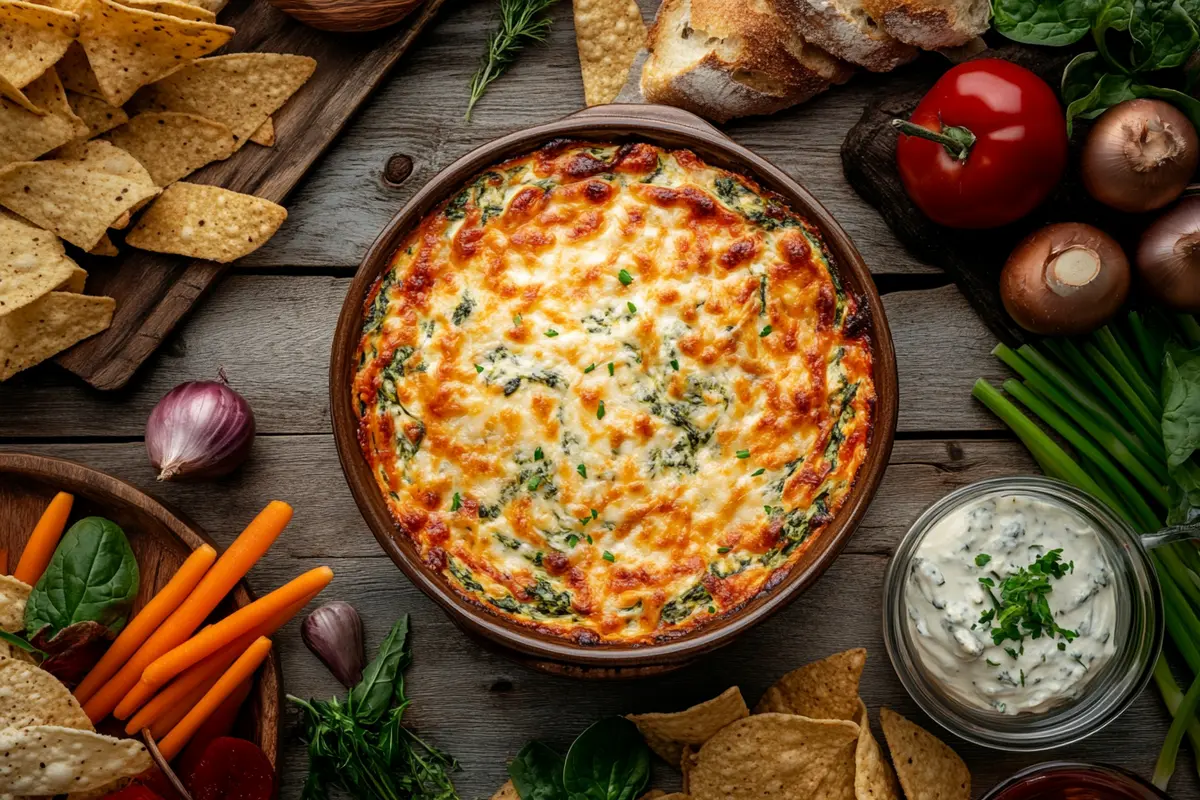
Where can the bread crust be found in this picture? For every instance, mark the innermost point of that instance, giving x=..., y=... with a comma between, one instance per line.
x=930, y=25
x=832, y=26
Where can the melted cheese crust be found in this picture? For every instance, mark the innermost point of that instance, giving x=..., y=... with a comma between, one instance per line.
x=611, y=392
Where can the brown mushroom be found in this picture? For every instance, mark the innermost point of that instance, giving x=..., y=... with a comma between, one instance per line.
x=1065, y=279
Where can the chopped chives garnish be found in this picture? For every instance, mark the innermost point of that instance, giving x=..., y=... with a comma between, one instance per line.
x=595, y=513
x=516, y=320
x=624, y=277
x=535, y=482
x=675, y=364
x=766, y=331
x=589, y=368
x=572, y=540
x=611, y=369
x=757, y=472
x=582, y=470
x=600, y=410
x=609, y=556
x=538, y=455
x=632, y=308
x=722, y=550
x=456, y=503
x=589, y=538
x=712, y=609
x=551, y=333
x=478, y=368
x=743, y=453
x=982, y=559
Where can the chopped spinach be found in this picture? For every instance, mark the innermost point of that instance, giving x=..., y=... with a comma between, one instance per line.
x=681, y=607
x=464, y=308
x=463, y=575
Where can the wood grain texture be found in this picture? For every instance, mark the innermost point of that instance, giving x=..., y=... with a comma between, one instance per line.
x=160, y=539
x=272, y=335
x=483, y=708
x=338, y=210
x=154, y=291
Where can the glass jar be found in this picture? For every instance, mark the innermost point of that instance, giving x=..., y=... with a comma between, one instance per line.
x=1073, y=780
x=1139, y=628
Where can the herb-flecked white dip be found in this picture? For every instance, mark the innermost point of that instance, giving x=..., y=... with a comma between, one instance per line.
x=1011, y=604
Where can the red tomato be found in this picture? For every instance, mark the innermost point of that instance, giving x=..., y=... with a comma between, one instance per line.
x=134, y=791
x=233, y=769
x=1003, y=145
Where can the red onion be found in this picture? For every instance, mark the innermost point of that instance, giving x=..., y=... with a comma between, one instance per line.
x=1168, y=258
x=334, y=633
x=200, y=429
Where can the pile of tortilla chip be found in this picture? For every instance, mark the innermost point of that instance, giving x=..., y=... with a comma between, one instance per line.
x=809, y=738
x=48, y=742
x=105, y=107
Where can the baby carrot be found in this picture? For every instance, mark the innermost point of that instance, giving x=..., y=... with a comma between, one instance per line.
x=226, y=685
x=171, y=697
x=211, y=666
x=40, y=547
x=230, y=568
x=139, y=629
x=173, y=716
x=221, y=723
x=240, y=622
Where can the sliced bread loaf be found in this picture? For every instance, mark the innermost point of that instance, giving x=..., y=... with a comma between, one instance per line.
x=732, y=58
x=931, y=24
x=844, y=28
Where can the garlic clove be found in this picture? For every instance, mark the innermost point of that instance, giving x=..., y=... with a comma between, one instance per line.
x=334, y=633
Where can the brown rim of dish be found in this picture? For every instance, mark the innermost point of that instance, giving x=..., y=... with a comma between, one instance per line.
x=671, y=128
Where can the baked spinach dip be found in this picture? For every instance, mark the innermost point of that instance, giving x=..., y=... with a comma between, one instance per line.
x=1011, y=604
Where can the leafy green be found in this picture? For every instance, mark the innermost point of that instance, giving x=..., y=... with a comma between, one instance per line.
x=1181, y=431
x=1045, y=22
x=1163, y=35
x=609, y=761
x=361, y=746
x=522, y=22
x=537, y=773
x=1023, y=608
x=93, y=577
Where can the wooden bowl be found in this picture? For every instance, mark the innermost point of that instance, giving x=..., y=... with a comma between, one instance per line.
x=160, y=539
x=347, y=16
x=667, y=127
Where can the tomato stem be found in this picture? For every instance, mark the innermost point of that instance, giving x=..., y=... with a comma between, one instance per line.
x=958, y=141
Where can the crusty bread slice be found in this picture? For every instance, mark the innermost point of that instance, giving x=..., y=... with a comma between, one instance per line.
x=844, y=28
x=732, y=58
x=931, y=24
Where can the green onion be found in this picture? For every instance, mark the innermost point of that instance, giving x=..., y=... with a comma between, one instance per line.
x=675, y=364
x=611, y=368
x=582, y=470
x=535, y=482
x=1186, y=712
x=766, y=331
x=632, y=308
x=478, y=368
x=537, y=454
x=600, y=410
x=456, y=503
x=609, y=556
x=551, y=333
x=588, y=368
x=743, y=454
x=757, y=472
x=624, y=277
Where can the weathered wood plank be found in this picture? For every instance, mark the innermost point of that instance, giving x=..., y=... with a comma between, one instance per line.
x=483, y=708
x=272, y=335
x=336, y=213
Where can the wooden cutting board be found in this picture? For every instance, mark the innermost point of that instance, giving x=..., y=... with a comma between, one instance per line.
x=155, y=291
x=973, y=259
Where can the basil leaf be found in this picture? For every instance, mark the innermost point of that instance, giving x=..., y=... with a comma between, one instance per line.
x=93, y=577
x=537, y=773
x=1163, y=35
x=382, y=679
x=1046, y=22
x=609, y=761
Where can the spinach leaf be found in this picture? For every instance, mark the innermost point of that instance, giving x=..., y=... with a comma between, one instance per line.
x=1184, y=102
x=1045, y=22
x=1163, y=35
x=93, y=577
x=609, y=761
x=1090, y=89
x=383, y=678
x=1181, y=431
x=537, y=773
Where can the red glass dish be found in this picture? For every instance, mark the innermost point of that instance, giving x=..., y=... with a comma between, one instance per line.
x=1071, y=780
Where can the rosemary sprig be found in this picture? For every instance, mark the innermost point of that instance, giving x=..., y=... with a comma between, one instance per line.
x=522, y=22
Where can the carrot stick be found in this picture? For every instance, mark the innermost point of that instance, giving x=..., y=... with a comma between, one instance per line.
x=221, y=723
x=240, y=622
x=40, y=547
x=242, y=669
x=140, y=628
x=173, y=716
x=160, y=707
x=230, y=568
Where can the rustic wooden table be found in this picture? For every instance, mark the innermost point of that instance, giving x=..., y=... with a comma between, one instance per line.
x=270, y=324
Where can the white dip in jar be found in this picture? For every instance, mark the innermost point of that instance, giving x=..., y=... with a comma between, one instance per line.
x=998, y=620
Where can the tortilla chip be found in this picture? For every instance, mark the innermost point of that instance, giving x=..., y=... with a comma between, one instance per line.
x=687, y=763
x=105, y=247
x=265, y=135
x=173, y=8
x=926, y=766
x=32, y=38
x=206, y=222
x=13, y=593
x=129, y=48
x=76, y=73
x=24, y=135
x=777, y=756
x=75, y=760
x=5, y=650
x=668, y=733
x=171, y=145
x=45, y=328
x=98, y=115
x=214, y=6
x=76, y=197
x=825, y=689
x=874, y=778
x=675, y=796
x=33, y=696
x=240, y=90
x=74, y=282
x=507, y=792
x=608, y=35
x=33, y=263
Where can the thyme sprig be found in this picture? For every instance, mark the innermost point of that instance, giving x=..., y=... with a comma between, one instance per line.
x=522, y=22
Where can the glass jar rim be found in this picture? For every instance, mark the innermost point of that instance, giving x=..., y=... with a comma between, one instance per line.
x=1104, y=697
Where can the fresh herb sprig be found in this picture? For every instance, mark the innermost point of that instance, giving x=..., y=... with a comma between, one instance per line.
x=522, y=22
x=1023, y=608
x=360, y=745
